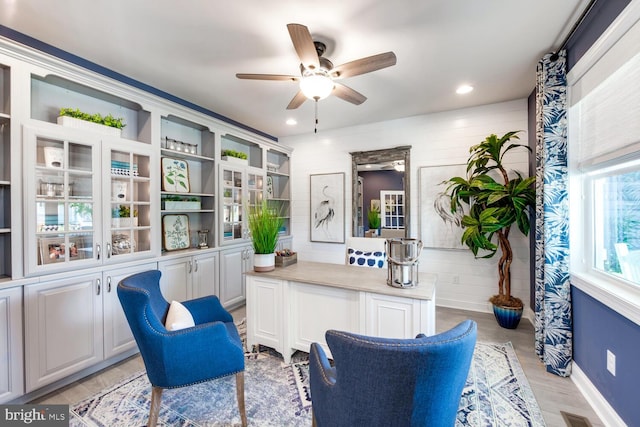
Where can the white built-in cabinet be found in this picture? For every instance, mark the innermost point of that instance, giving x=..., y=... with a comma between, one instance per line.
x=6, y=230
x=11, y=377
x=82, y=208
x=74, y=323
x=242, y=189
x=63, y=328
x=189, y=277
x=234, y=262
x=87, y=199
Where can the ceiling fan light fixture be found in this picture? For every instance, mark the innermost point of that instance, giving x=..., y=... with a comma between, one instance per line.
x=463, y=89
x=316, y=85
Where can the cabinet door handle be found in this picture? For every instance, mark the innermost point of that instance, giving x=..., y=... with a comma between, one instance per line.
x=190, y=267
x=98, y=251
x=108, y=250
x=196, y=263
x=98, y=289
x=108, y=284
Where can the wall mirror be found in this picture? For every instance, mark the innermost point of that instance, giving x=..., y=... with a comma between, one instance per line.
x=381, y=181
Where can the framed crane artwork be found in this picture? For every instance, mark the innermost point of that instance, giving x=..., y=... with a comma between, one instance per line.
x=439, y=228
x=327, y=220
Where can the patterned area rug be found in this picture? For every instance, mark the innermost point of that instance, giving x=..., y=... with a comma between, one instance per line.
x=496, y=394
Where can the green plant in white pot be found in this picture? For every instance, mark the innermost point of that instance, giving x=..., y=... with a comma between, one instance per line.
x=264, y=226
x=491, y=202
x=374, y=220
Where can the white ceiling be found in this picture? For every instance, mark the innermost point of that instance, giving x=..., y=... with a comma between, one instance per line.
x=193, y=49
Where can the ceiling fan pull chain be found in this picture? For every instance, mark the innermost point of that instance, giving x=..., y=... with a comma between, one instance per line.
x=316, y=128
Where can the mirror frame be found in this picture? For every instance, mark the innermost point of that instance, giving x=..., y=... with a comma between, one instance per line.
x=378, y=156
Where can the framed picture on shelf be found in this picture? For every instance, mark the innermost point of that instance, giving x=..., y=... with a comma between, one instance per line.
x=175, y=232
x=327, y=207
x=53, y=249
x=175, y=175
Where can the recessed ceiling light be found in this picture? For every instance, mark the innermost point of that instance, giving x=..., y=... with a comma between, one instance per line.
x=292, y=122
x=464, y=89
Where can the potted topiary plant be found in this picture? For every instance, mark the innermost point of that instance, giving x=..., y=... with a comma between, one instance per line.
x=492, y=207
x=264, y=226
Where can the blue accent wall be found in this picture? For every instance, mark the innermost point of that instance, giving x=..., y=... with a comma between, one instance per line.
x=597, y=328
x=375, y=181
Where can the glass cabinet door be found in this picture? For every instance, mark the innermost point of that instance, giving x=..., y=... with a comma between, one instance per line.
x=233, y=187
x=255, y=188
x=128, y=230
x=62, y=190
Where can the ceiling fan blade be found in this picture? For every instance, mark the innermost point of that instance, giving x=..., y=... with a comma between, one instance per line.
x=296, y=101
x=348, y=94
x=303, y=43
x=266, y=77
x=364, y=65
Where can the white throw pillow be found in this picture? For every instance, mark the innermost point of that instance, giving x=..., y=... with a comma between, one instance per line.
x=178, y=317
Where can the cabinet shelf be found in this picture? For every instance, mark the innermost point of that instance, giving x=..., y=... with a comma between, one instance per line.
x=186, y=211
x=135, y=178
x=136, y=228
x=4, y=118
x=5, y=183
x=170, y=193
x=186, y=156
x=5, y=230
x=272, y=173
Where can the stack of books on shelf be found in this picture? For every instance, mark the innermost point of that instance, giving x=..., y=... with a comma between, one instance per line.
x=123, y=168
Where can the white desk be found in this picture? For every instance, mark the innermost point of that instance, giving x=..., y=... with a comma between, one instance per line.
x=290, y=308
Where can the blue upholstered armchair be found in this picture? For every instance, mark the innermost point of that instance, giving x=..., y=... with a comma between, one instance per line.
x=391, y=382
x=210, y=349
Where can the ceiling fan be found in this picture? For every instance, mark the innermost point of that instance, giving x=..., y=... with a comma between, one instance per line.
x=318, y=75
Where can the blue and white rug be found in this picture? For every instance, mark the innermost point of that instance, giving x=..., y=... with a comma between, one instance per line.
x=496, y=394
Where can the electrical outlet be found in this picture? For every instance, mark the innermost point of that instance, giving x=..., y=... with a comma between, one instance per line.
x=456, y=280
x=611, y=362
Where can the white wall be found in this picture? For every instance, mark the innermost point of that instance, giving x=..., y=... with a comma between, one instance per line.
x=436, y=139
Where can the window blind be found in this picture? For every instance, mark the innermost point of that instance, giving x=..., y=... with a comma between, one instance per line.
x=604, y=112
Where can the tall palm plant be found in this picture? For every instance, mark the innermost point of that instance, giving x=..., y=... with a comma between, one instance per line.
x=492, y=207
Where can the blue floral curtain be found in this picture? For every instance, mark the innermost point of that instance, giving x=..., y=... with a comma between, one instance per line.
x=553, y=324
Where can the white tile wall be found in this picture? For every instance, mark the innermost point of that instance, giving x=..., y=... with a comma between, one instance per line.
x=436, y=139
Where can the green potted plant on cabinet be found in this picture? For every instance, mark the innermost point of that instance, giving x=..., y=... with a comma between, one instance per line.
x=235, y=157
x=374, y=221
x=78, y=119
x=492, y=207
x=264, y=225
x=121, y=217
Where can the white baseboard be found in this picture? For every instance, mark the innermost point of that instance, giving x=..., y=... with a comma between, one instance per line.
x=607, y=414
x=479, y=307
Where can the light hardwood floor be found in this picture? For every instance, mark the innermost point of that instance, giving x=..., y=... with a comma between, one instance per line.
x=554, y=394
